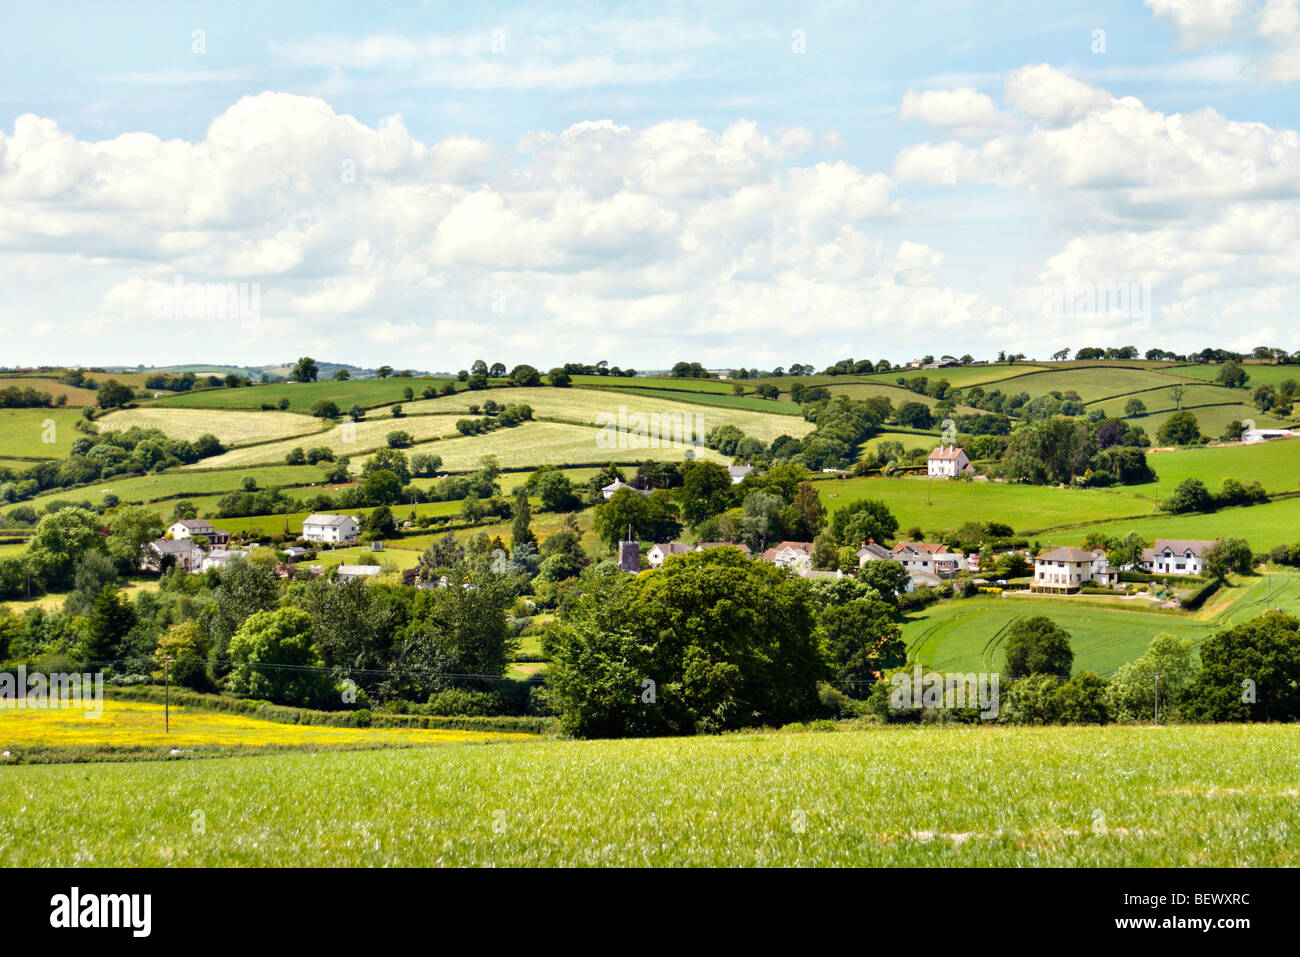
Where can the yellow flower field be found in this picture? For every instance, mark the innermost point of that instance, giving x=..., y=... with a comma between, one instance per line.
x=136, y=724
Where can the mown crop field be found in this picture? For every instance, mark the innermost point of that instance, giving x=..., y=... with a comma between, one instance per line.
x=966, y=634
x=751, y=402
x=302, y=395
x=37, y=433
x=75, y=396
x=232, y=427
x=959, y=796
x=184, y=483
x=590, y=405
x=346, y=438
x=545, y=443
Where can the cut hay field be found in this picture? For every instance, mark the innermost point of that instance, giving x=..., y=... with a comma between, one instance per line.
x=545, y=443
x=346, y=438
x=23, y=432
x=132, y=725
x=589, y=405
x=303, y=395
x=1220, y=795
x=179, y=483
x=966, y=635
x=232, y=427
x=751, y=402
x=1026, y=508
x=1091, y=383
x=76, y=397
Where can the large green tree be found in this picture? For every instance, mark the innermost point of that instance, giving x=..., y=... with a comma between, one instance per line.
x=711, y=641
x=1250, y=672
x=273, y=656
x=1038, y=646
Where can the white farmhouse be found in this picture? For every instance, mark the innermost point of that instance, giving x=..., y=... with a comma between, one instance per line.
x=790, y=555
x=661, y=551
x=190, y=527
x=323, y=527
x=1068, y=569
x=221, y=557
x=948, y=461
x=1174, y=556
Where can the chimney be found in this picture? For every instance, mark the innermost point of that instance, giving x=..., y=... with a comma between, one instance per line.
x=629, y=556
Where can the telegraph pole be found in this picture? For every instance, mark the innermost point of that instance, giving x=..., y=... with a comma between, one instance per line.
x=1157, y=697
x=167, y=695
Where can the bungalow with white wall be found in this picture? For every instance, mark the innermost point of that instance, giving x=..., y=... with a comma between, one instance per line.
x=324, y=527
x=618, y=485
x=947, y=462
x=221, y=557
x=348, y=572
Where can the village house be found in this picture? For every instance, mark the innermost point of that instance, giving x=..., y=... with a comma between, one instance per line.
x=871, y=552
x=1067, y=569
x=190, y=527
x=702, y=546
x=917, y=578
x=661, y=551
x=1254, y=436
x=1174, y=556
x=928, y=557
x=324, y=527
x=221, y=557
x=349, y=572
x=948, y=462
x=790, y=555
x=739, y=472
x=614, y=486
x=183, y=553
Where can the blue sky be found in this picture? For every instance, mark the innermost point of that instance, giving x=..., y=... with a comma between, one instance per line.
x=750, y=184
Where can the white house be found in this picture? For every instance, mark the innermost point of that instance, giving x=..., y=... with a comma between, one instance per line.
x=221, y=557
x=871, y=552
x=659, y=552
x=1173, y=556
x=1068, y=569
x=618, y=484
x=189, y=527
x=186, y=555
x=739, y=472
x=790, y=555
x=948, y=462
x=323, y=527
x=1253, y=436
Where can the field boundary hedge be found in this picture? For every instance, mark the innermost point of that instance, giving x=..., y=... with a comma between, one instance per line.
x=359, y=718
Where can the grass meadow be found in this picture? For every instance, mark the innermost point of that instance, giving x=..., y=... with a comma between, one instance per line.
x=37, y=433
x=1218, y=795
x=231, y=426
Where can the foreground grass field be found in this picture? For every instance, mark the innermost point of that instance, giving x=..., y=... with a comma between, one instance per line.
x=973, y=796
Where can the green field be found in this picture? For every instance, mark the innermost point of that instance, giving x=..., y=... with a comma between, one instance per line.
x=943, y=503
x=590, y=405
x=179, y=483
x=1275, y=465
x=1260, y=373
x=955, y=796
x=966, y=635
x=1263, y=526
x=26, y=433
